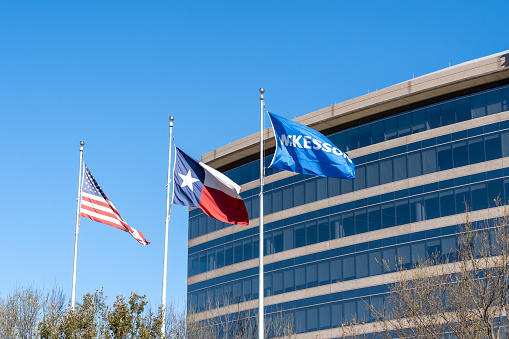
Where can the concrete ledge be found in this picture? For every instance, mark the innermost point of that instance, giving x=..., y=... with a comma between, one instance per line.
x=463, y=76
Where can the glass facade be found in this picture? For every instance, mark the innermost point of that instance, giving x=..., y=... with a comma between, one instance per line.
x=425, y=197
x=483, y=143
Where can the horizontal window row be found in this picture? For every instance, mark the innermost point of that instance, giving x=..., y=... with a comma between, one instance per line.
x=320, y=313
x=323, y=272
x=445, y=156
x=402, y=124
x=424, y=206
x=328, y=254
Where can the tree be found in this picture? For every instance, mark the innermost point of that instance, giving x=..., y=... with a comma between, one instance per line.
x=133, y=320
x=465, y=293
x=19, y=313
x=237, y=323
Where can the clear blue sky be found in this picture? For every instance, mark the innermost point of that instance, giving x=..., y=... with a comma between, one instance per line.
x=112, y=72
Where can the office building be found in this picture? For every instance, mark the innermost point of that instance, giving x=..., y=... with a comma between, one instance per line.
x=421, y=148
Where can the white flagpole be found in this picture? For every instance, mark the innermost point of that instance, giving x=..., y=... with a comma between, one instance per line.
x=261, y=312
x=73, y=295
x=168, y=213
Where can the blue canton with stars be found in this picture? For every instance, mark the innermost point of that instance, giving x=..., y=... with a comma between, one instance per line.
x=187, y=174
x=90, y=185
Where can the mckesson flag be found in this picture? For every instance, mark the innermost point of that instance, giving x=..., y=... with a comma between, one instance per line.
x=301, y=149
x=199, y=185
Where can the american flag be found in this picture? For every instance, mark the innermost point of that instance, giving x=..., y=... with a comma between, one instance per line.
x=96, y=206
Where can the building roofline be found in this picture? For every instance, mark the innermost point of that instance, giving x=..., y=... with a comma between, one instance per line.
x=474, y=73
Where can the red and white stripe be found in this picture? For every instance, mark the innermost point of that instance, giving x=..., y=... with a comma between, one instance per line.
x=102, y=210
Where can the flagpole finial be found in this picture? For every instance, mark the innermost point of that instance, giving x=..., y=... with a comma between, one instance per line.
x=262, y=90
x=171, y=121
x=82, y=143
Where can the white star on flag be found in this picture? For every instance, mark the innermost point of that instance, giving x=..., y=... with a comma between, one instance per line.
x=188, y=180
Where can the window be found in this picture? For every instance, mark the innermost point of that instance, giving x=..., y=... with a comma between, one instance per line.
x=460, y=153
x=334, y=187
x=478, y=105
x=463, y=110
x=377, y=131
x=479, y=196
x=348, y=267
x=402, y=212
x=335, y=227
x=321, y=188
x=418, y=121
x=348, y=224
x=462, y=196
x=247, y=289
x=416, y=209
x=278, y=241
x=361, y=262
x=288, y=238
x=391, y=128
x=277, y=200
x=431, y=206
x=495, y=191
x=288, y=279
x=418, y=252
x=311, y=232
x=385, y=171
x=404, y=257
x=300, y=235
x=444, y=155
x=365, y=136
x=298, y=194
x=346, y=186
x=277, y=282
x=433, y=117
x=248, y=249
x=335, y=270
x=375, y=262
x=433, y=247
x=372, y=174
x=389, y=257
x=494, y=102
x=400, y=167
x=324, y=315
x=361, y=221
x=414, y=164
x=429, y=162
x=388, y=215
x=311, y=275
x=300, y=320
x=228, y=254
x=323, y=229
x=287, y=197
x=323, y=273
x=350, y=309
x=448, y=113
x=337, y=314
x=352, y=139
x=312, y=321
x=310, y=186
x=300, y=277
x=375, y=218
x=493, y=146
x=404, y=124
x=237, y=251
x=359, y=182
x=447, y=204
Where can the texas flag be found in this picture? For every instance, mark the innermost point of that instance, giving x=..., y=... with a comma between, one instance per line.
x=199, y=185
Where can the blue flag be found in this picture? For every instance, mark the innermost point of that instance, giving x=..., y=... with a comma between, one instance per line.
x=303, y=150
